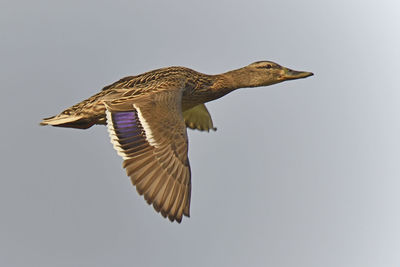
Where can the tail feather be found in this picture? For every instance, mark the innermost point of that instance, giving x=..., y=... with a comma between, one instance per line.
x=70, y=121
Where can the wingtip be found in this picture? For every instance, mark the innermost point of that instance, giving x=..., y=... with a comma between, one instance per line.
x=186, y=212
x=174, y=219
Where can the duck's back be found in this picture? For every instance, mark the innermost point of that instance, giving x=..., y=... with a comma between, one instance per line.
x=92, y=110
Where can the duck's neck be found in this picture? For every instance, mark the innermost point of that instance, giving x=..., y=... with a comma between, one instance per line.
x=215, y=86
x=232, y=80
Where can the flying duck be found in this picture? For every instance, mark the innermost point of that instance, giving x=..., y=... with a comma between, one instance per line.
x=147, y=116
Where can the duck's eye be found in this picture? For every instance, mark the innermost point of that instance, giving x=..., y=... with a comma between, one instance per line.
x=268, y=66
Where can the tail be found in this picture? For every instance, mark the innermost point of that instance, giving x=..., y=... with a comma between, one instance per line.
x=69, y=121
x=82, y=115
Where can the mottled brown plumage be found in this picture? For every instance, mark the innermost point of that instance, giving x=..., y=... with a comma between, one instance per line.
x=147, y=116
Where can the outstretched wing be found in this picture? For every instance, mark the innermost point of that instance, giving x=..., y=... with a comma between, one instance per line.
x=150, y=134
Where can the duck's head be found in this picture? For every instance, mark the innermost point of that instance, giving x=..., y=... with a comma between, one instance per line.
x=263, y=73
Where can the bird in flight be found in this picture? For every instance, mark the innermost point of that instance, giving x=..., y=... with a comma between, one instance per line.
x=147, y=116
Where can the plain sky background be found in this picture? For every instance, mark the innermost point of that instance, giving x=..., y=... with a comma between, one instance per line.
x=304, y=173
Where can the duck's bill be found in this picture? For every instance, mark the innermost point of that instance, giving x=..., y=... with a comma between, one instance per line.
x=294, y=74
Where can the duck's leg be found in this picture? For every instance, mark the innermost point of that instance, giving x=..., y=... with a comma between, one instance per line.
x=198, y=118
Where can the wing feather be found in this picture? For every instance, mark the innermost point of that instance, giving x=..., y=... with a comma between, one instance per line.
x=150, y=134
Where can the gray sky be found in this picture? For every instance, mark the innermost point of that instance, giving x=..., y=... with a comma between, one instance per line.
x=308, y=170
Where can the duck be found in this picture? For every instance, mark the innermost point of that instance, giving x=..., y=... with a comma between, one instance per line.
x=147, y=117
